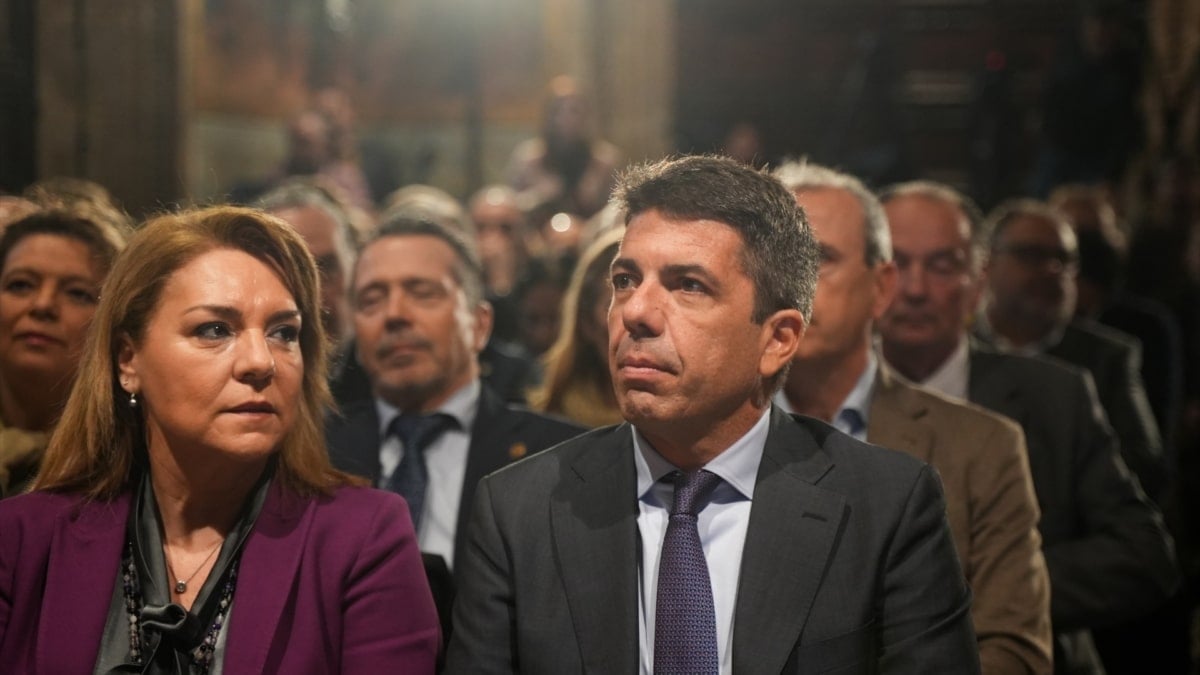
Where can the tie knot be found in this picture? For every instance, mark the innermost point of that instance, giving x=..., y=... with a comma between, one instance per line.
x=692, y=489
x=418, y=431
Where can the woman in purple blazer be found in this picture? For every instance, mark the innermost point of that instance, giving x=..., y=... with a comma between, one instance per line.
x=186, y=518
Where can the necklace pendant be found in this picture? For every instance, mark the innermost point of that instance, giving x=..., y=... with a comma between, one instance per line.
x=180, y=587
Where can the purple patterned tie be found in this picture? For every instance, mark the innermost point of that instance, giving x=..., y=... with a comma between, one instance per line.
x=685, y=623
x=411, y=477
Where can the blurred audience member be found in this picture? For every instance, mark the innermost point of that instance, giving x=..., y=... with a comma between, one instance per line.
x=430, y=428
x=326, y=229
x=501, y=230
x=744, y=144
x=504, y=366
x=539, y=304
x=576, y=383
x=1101, y=295
x=14, y=208
x=1108, y=555
x=566, y=168
x=309, y=140
x=68, y=192
x=560, y=234
x=1029, y=308
x=500, y=227
x=52, y=264
x=342, y=167
x=425, y=202
x=82, y=196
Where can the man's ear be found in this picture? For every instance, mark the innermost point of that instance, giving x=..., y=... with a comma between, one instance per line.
x=127, y=365
x=886, y=282
x=781, y=334
x=484, y=317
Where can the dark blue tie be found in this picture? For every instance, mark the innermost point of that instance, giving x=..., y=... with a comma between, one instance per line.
x=411, y=477
x=685, y=623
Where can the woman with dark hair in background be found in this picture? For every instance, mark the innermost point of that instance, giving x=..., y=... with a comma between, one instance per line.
x=186, y=518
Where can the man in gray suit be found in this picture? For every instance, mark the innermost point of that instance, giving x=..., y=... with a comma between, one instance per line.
x=1108, y=554
x=712, y=532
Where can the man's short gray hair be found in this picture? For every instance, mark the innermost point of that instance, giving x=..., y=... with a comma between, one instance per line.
x=798, y=175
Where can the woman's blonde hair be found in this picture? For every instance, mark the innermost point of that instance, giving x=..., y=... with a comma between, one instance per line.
x=570, y=362
x=98, y=447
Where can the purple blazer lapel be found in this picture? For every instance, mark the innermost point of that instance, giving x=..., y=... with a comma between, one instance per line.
x=266, y=578
x=85, y=553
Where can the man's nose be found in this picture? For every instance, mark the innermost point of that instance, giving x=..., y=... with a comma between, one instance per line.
x=642, y=310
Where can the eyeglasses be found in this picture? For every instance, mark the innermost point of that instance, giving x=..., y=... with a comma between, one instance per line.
x=1033, y=255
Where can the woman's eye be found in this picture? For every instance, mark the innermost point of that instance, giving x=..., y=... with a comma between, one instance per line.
x=213, y=331
x=82, y=296
x=286, y=333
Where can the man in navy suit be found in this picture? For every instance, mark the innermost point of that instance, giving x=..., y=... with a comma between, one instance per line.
x=712, y=532
x=420, y=321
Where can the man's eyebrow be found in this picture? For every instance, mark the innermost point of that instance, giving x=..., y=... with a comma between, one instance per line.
x=625, y=264
x=701, y=271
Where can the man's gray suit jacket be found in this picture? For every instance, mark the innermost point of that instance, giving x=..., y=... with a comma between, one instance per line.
x=848, y=564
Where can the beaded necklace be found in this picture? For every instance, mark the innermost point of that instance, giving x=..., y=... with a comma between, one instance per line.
x=202, y=654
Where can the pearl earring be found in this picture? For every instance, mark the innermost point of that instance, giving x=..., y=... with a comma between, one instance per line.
x=133, y=402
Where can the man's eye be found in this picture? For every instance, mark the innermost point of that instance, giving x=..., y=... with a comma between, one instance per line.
x=945, y=266
x=369, y=299
x=692, y=286
x=427, y=291
x=622, y=281
x=18, y=285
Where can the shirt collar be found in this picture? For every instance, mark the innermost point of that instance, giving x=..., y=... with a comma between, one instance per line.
x=853, y=414
x=953, y=376
x=737, y=465
x=462, y=406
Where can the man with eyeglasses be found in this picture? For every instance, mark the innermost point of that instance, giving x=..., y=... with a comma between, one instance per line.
x=1029, y=301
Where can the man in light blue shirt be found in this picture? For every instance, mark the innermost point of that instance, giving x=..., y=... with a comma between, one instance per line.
x=837, y=377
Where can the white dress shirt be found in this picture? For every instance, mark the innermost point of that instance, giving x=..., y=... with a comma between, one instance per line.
x=446, y=460
x=953, y=377
x=722, y=525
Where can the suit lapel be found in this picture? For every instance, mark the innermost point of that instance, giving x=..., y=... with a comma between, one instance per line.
x=896, y=418
x=267, y=575
x=85, y=553
x=491, y=448
x=354, y=440
x=793, y=524
x=990, y=386
x=593, y=519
